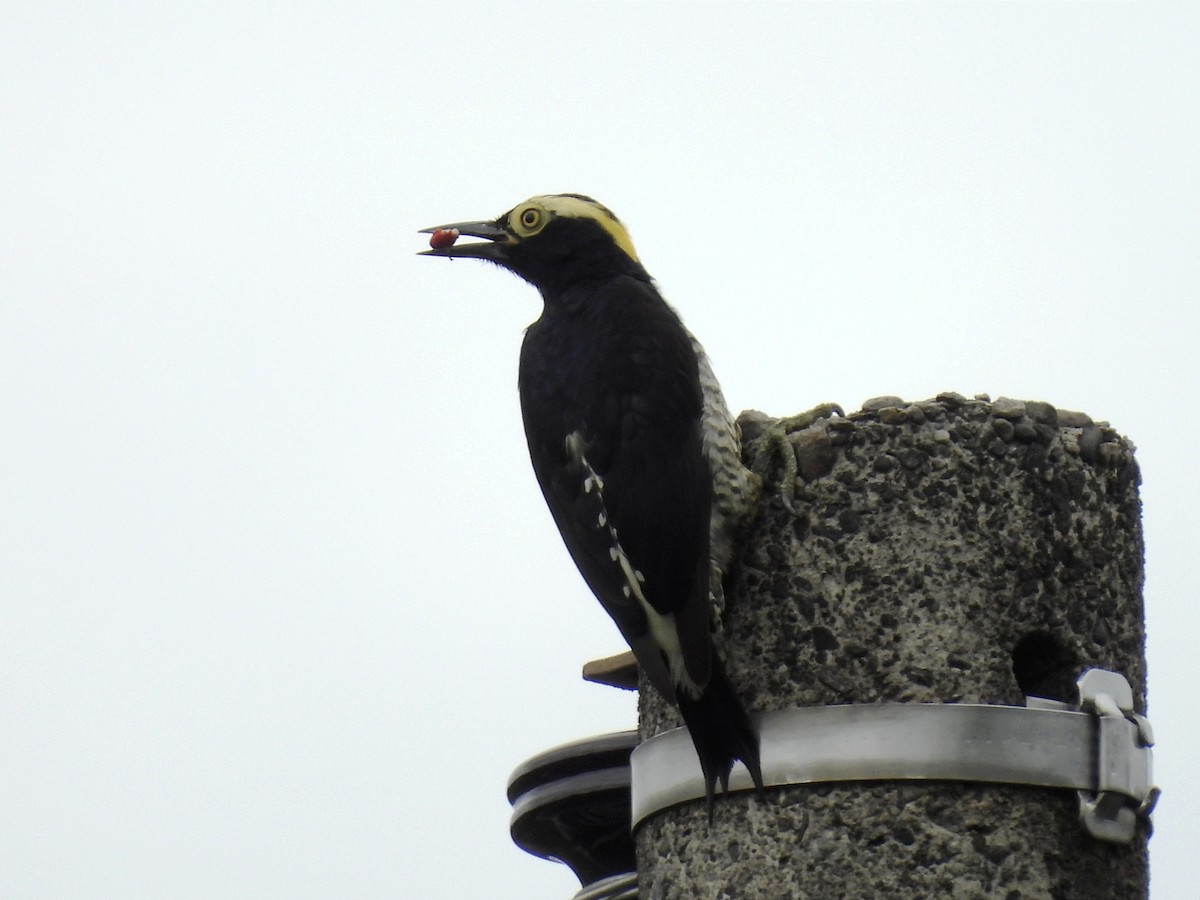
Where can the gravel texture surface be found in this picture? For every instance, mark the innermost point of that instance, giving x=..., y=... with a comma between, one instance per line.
x=947, y=550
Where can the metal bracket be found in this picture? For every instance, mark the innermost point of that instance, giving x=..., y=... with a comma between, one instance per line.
x=1100, y=750
x=1122, y=791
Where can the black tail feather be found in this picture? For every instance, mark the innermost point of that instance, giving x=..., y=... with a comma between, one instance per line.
x=722, y=733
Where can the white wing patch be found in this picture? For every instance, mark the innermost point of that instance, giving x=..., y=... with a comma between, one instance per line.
x=662, y=628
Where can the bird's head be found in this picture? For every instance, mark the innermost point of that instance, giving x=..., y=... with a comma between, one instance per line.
x=550, y=241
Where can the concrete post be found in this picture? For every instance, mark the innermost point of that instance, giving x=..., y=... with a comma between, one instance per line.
x=950, y=550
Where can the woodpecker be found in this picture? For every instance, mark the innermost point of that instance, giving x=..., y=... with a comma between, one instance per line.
x=634, y=449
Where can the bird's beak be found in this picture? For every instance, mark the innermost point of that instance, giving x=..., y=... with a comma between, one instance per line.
x=492, y=248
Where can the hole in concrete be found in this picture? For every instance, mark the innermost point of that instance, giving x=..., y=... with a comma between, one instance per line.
x=1045, y=667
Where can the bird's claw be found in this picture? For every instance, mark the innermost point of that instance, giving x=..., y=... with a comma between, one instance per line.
x=804, y=419
x=775, y=443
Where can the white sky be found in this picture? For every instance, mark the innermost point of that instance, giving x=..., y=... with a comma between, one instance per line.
x=280, y=605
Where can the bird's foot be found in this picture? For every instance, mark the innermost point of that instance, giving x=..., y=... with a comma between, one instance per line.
x=804, y=419
x=774, y=443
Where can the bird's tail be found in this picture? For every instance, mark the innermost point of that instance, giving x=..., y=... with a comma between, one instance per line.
x=722, y=732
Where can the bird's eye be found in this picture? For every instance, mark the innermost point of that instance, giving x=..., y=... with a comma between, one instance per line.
x=531, y=218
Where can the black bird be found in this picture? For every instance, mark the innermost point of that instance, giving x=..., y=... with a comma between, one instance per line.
x=635, y=451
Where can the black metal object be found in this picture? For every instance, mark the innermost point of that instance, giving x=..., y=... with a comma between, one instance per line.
x=571, y=804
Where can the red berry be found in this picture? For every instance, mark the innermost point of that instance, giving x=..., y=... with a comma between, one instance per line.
x=443, y=237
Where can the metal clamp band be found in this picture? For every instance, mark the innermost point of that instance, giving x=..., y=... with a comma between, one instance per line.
x=1101, y=750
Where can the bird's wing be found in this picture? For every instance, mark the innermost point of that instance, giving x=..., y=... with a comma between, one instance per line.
x=621, y=465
